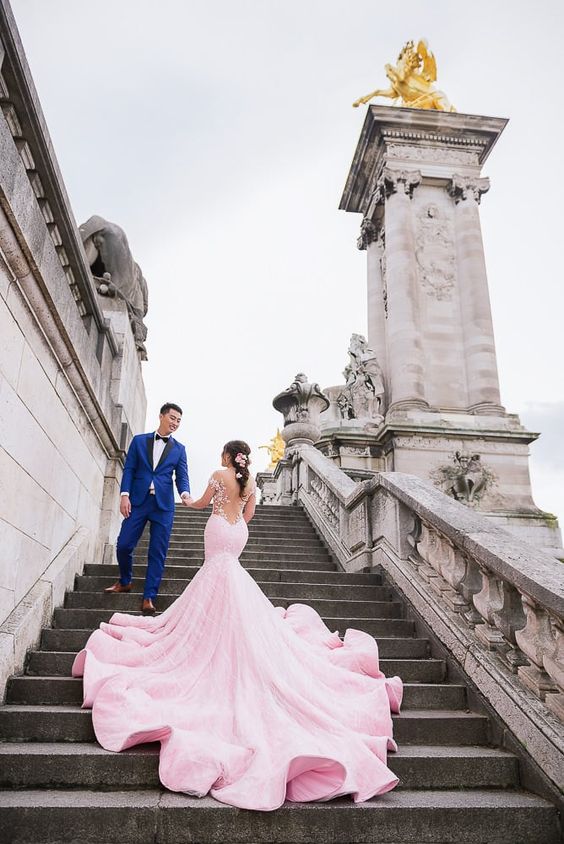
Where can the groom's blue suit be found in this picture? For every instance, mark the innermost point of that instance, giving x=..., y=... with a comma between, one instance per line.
x=152, y=500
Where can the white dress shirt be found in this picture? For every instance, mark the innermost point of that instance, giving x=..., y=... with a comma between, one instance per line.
x=158, y=448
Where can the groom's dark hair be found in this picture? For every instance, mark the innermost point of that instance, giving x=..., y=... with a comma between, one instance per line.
x=170, y=406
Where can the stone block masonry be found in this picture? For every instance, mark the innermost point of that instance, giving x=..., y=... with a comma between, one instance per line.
x=71, y=388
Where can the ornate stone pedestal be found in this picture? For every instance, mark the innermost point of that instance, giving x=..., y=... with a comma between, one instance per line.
x=416, y=179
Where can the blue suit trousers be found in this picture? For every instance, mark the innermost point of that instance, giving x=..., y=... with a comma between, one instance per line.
x=130, y=534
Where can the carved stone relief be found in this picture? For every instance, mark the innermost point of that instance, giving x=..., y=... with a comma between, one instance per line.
x=357, y=451
x=435, y=252
x=467, y=187
x=382, y=247
x=465, y=478
x=435, y=154
x=398, y=181
x=368, y=234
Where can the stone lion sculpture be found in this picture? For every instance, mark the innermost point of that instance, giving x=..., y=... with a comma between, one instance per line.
x=116, y=273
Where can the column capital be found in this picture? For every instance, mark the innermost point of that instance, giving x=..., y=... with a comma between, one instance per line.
x=467, y=187
x=399, y=181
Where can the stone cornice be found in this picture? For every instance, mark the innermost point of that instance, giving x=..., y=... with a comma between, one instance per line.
x=419, y=130
x=24, y=117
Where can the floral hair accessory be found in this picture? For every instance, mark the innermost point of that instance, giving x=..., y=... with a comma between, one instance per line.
x=241, y=459
x=238, y=475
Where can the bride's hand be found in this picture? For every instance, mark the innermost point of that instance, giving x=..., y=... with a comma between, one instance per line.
x=187, y=500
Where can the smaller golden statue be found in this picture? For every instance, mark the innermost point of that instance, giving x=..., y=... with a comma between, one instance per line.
x=275, y=449
x=412, y=80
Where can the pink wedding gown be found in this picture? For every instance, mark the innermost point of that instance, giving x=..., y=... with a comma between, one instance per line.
x=251, y=703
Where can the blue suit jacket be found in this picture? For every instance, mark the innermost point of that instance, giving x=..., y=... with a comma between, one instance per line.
x=138, y=472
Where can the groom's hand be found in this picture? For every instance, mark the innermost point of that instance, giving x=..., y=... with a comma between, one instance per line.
x=125, y=506
x=186, y=499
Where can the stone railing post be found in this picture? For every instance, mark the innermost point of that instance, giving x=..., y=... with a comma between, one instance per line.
x=536, y=641
x=554, y=666
x=301, y=405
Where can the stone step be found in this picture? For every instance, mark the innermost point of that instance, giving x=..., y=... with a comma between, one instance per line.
x=91, y=618
x=285, y=561
x=153, y=817
x=304, y=591
x=87, y=765
x=21, y=722
x=55, y=642
x=191, y=540
x=270, y=558
x=65, y=690
x=301, y=526
x=291, y=517
x=293, y=575
x=325, y=606
x=257, y=534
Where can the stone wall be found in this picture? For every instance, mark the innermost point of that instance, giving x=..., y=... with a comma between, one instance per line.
x=71, y=390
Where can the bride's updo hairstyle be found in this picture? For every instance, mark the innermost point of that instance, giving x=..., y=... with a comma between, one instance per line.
x=239, y=452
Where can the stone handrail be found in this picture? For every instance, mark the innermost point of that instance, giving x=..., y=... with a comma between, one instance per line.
x=486, y=594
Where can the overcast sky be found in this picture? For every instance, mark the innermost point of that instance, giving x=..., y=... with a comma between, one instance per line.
x=219, y=136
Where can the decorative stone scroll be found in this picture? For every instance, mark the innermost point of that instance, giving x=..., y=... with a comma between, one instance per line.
x=396, y=181
x=368, y=234
x=467, y=187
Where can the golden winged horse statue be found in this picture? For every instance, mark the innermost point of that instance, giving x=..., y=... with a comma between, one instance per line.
x=412, y=80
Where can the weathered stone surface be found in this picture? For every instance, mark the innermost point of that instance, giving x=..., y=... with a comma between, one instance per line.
x=417, y=182
x=65, y=413
x=452, y=788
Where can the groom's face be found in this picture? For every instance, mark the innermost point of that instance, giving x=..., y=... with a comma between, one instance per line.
x=169, y=422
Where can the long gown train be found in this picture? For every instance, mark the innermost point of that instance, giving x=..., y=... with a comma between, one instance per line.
x=251, y=703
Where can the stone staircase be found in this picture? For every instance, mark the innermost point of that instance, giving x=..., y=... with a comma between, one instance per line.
x=58, y=785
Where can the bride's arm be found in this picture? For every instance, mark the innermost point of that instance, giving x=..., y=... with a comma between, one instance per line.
x=204, y=501
x=249, y=510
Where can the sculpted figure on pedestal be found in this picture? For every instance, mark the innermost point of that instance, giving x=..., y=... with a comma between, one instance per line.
x=275, y=450
x=116, y=273
x=412, y=80
x=363, y=394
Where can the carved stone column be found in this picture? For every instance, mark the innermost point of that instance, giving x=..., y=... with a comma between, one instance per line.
x=406, y=370
x=377, y=297
x=481, y=364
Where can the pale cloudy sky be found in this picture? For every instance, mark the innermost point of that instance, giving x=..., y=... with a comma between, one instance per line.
x=219, y=134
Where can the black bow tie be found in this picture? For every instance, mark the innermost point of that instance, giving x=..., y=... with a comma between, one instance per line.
x=164, y=439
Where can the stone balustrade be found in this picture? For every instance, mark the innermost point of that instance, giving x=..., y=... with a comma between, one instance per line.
x=496, y=602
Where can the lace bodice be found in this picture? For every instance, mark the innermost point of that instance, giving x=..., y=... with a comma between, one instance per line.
x=221, y=500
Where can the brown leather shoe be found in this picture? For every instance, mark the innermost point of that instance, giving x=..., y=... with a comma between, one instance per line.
x=119, y=587
x=147, y=607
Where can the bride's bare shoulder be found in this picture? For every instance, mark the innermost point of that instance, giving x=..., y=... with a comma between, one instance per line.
x=218, y=475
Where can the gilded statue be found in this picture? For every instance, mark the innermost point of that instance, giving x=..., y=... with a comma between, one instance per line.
x=412, y=80
x=275, y=449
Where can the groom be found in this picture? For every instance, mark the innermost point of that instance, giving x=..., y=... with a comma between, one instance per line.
x=147, y=496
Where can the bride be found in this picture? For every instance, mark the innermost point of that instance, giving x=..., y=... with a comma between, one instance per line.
x=250, y=703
